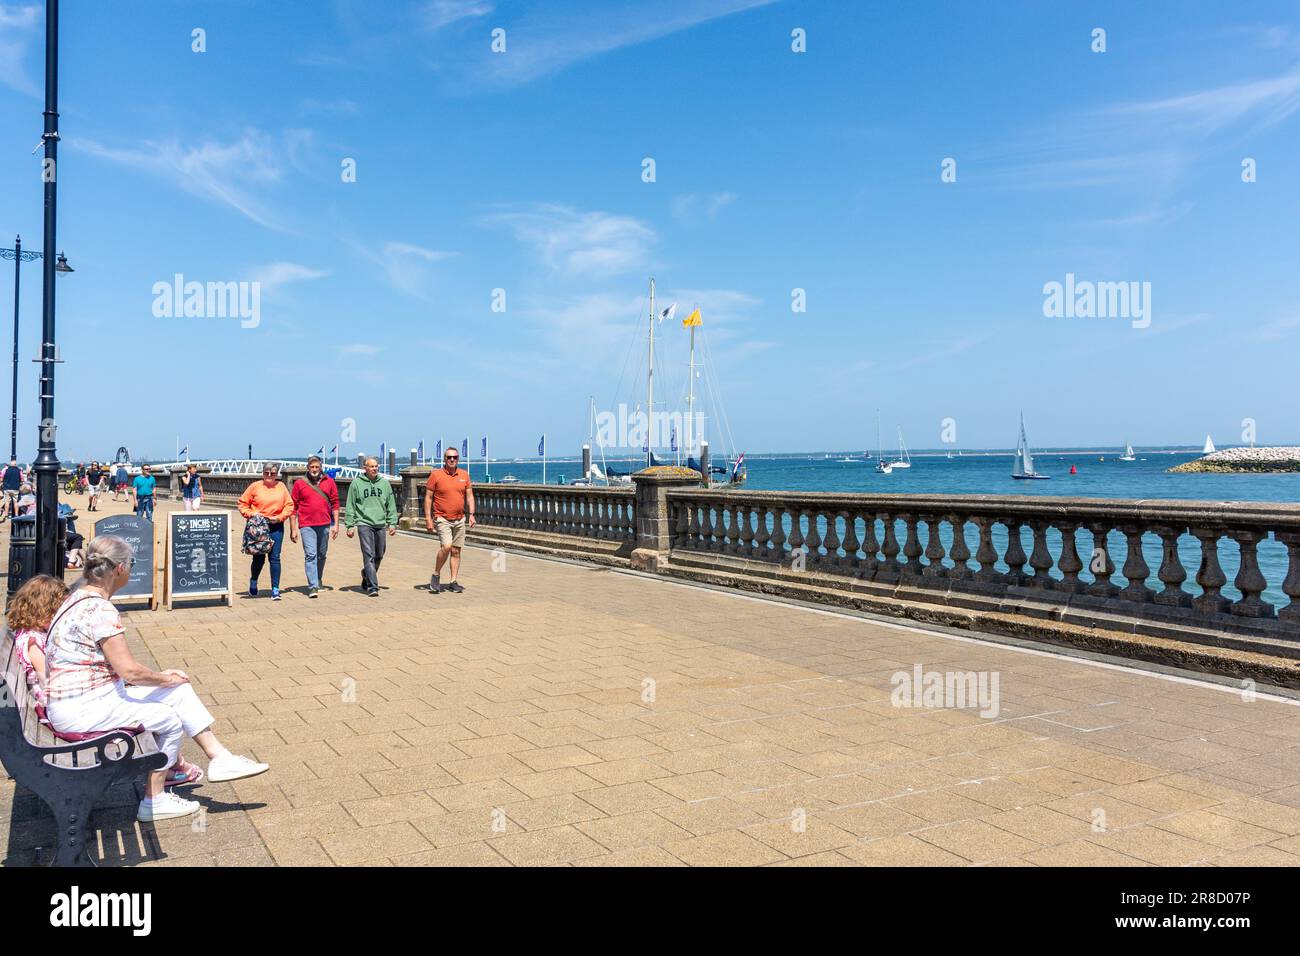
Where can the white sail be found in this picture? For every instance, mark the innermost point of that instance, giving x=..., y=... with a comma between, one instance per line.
x=1024, y=464
x=1209, y=446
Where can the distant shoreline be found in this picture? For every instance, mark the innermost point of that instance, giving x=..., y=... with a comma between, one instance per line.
x=1271, y=460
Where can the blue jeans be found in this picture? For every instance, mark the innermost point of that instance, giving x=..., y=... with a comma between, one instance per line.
x=144, y=507
x=315, y=546
x=277, y=538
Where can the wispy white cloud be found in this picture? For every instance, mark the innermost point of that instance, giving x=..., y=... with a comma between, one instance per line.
x=1157, y=216
x=691, y=206
x=228, y=173
x=406, y=265
x=1263, y=102
x=1278, y=330
x=573, y=242
x=277, y=274
x=363, y=349
x=18, y=32
x=433, y=15
x=545, y=41
x=943, y=348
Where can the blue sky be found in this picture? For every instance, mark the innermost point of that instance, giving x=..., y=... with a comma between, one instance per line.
x=775, y=170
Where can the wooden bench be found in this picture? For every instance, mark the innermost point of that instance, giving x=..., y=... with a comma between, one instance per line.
x=70, y=774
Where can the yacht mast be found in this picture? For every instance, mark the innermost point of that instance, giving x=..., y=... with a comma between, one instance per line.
x=650, y=377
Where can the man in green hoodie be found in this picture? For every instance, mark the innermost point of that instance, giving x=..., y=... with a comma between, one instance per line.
x=370, y=508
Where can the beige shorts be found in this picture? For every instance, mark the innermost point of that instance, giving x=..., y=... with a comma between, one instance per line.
x=450, y=533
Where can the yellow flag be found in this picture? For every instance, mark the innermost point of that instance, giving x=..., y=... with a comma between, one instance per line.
x=692, y=319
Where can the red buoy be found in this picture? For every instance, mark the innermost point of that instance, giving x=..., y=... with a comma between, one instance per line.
x=1073, y=470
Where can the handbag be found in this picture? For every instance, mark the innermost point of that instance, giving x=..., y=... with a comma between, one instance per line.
x=257, y=536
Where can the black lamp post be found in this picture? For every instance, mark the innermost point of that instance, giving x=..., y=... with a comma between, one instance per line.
x=19, y=257
x=47, y=460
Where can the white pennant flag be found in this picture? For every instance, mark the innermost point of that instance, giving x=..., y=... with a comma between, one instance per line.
x=668, y=313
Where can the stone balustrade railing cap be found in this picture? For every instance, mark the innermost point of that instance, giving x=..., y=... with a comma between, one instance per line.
x=667, y=473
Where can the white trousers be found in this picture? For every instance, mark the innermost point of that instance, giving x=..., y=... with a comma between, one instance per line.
x=170, y=712
x=193, y=504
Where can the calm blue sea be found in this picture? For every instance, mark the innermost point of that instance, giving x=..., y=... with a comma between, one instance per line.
x=1148, y=477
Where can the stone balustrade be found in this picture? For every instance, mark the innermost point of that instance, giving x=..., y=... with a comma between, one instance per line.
x=1175, y=568
x=605, y=514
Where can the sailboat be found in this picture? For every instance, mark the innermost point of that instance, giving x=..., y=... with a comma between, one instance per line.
x=904, y=459
x=1209, y=446
x=1024, y=463
x=882, y=467
x=1128, y=453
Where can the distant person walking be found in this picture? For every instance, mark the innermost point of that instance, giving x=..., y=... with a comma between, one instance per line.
x=11, y=483
x=446, y=494
x=120, y=481
x=192, y=488
x=370, y=509
x=142, y=490
x=270, y=500
x=95, y=479
x=316, y=516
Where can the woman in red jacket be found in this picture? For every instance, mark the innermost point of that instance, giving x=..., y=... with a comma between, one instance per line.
x=270, y=499
x=316, y=515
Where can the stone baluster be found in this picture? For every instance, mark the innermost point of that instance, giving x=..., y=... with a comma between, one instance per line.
x=1041, y=559
x=850, y=559
x=707, y=534
x=870, y=547
x=893, y=568
x=778, y=535
x=986, y=554
x=960, y=551
x=1291, y=583
x=832, y=540
x=934, y=550
x=1070, y=563
x=813, y=540
x=1172, y=574
x=762, y=536
x=747, y=532
x=1249, y=580
x=1135, y=568
x=1015, y=556
x=1100, y=564
x=911, y=547
x=796, y=535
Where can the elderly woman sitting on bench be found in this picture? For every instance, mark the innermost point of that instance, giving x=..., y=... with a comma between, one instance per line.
x=95, y=684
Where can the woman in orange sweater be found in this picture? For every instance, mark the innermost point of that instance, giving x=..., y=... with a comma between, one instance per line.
x=270, y=499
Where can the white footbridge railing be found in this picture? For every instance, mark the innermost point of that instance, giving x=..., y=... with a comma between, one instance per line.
x=253, y=468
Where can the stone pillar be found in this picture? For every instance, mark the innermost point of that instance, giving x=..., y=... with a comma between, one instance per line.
x=654, y=529
x=413, y=481
x=392, y=461
x=586, y=462
x=414, y=458
x=704, y=463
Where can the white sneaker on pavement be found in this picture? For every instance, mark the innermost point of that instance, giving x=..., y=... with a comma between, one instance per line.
x=164, y=807
x=234, y=767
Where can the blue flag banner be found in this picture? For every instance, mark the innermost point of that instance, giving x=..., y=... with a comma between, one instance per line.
x=541, y=446
x=440, y=449
x=673, y=446
x=334, y=450
x=419, y=452
x=464, y=448
x=383, y=453
x=321, y=452
x=484, y=454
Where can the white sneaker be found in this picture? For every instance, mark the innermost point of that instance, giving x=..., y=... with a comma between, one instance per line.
x=165, y=807
x=234, y=767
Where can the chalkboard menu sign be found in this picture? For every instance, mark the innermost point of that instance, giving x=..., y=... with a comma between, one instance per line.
x=198, y=555
x=139, y=534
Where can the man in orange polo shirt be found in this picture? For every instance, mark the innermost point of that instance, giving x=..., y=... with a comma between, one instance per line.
x=446, y=495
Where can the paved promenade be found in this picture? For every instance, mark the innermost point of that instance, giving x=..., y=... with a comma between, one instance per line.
x=560, y=714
